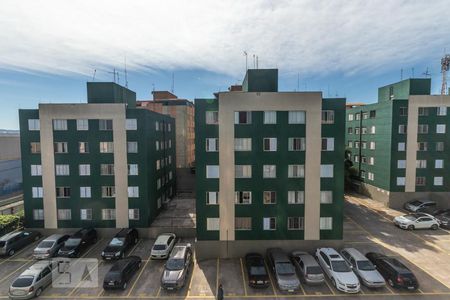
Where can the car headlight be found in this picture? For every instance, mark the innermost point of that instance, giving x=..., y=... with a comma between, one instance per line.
x=103, y=253
x=117, y=253
x=71, y=252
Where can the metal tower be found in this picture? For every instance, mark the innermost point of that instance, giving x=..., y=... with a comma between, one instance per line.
x=445, y=67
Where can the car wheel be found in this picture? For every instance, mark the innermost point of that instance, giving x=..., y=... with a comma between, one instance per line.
x=38, y=292
x=434, y=227
x=411, y=227
x=124, y=286
x=391, y=283
x=11, y=252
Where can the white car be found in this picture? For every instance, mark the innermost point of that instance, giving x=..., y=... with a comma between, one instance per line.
x=335, y=267
x=363, y=268
x=417, y=221
x=163, y=246
x=415, y=205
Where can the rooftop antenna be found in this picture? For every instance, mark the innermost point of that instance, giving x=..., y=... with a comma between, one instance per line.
x=254, y=61
x=173, y=82
x=246, y=61
x=93, y=76
x=426, y=73
x=126, y=75
x=153, y=87
x=114, y=74
x=328, y=90
x=445, y=67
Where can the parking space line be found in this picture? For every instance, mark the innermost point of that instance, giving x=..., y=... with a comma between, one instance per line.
x=17, y=253
x=217, y=275
x=243, y=277
x=271, y=281
x=137, y=278
x=389, y=288
x=159, y=291
x=194, y=263
x=134, y=248
x=329, y=286
x=15, y=270
x=92, y=248
x=83, y=278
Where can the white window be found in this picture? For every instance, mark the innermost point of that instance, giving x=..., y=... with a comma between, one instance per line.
x=400, y=181
x=439, y=146
x=170, y=144
x=242, y=144
x=243, y=171
x=356, y=158
x=327, y=116
x=295, y=223
x=297, y=117
x=372, y=145
x=133, y=191
x=59, y=124
x=212, y=171
x=270, y=117
x=371, y=160
x=170, y=175
x=85, y=192
x=401, y=146
x=158, y=183
x=85, y=170
x=270, y=223
x=212, y=117
x=108, y=214
x=108, y=191
x=33, y=124
x=60, y=147
x=327, y=144
x=170, y=159
x=296, y=171
x=62, y=170
x=158, y=164
x=350, y=117
x=269, y=171
x=242, y=117
x=133, y=169
x=401, y=164
x=132, y=147
x=326, y=171
x=422, y=146
x=326, y=197
x=37, y=192
x=326, y=223
x=83, y=147
x=64, y=214
x=296, y=197
x=243, y=197
x=106, y=169
x=38, y=214
x=212, y=145
x=439, y=163
x=212, y=198
x=82, y=124
x=370, y=176
x=105, y=124
x=36, y=170
x=133, y=214
x=372, y=129
x=350, y=144
x=402, y=129
x=269, y=197
x=438, y=180
x=157, y=126
x=423, y=111
x=169, y=126
x=421, y=180
x=243, y=223
x=270, y=144
x=131, y=124
x=106, y=147
x=442, y=111
x=296, y=144
x=440, y=128
x=86, y=214
x=157, y=145
x=421, y=163
x=212, y=224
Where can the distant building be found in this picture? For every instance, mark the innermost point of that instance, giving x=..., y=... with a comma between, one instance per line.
x=103, y=163
x=401, y=144
x=10, y=163
x=182, y=110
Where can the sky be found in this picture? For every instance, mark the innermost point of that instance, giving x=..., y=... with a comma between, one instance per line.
x=50, y=49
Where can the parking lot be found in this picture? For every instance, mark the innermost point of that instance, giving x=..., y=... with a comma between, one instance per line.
x=367, y=228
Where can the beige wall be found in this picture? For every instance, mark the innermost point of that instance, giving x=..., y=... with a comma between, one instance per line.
x=116, y=112
x=229, y=102
x=10, y=147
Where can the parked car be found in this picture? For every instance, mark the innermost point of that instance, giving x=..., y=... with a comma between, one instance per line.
x=283, y=270
x=413, y=206
x=335, y=267
x=307, y=267
x=363, y=268
x=396, y=274
x=13, y=241
x=120, y=243
x=177, y=268
x=78, y=242
x=434, y=211
x=50, y=246
x=32, y=281
x=163, y=245
x=444, y=220
x=416, y=221
x=121, y=273
x=256, y=271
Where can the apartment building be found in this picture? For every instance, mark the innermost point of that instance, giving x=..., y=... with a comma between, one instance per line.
x=182, y=110
x=269, y=164
x=400, y=145
x=103, y=163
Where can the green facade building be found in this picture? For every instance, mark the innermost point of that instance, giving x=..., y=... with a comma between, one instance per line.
x=103, y=163
x=400, y=144
x=269, y=164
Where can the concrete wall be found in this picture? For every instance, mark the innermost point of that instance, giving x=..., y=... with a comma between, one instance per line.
x=10, y=147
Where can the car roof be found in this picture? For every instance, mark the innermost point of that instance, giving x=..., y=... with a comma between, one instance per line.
x=355, y=253
x=163, y=237
x=121, y=263
x=36, y=268
x=124, y=232
x=10, y=235
x=178, y=251
x=331, y=253
x=54, y=237
x=82, y=232
x=278, y=255
x=307, y=258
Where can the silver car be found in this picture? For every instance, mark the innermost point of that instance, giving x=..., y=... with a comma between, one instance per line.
x=163, y=245
x=49, y=246
x=308, y=267
x=363, y=268
x=32, y=281
x=283, y=269
x=176, y=270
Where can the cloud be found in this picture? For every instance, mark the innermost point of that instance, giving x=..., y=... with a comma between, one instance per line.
x=311, y=37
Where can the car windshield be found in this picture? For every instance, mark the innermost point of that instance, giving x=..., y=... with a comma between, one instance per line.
x=72, y=242
x=416, y=203
x=285, y=268
x=257, y=270
x=23, y=281
x=46, y=244
x=411, y=217
x=313, y=270
x=365, y=265
x=159, y=247
x=117, y=242
x=174, y=264
x=340, y=266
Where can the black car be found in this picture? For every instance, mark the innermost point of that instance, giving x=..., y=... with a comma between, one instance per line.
x=433, y=211
x=444, y=219
x=256, y=271
x=13, y=241
x=121, y=242
x=395, y=273
x=121, y=273
x=78, y=242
